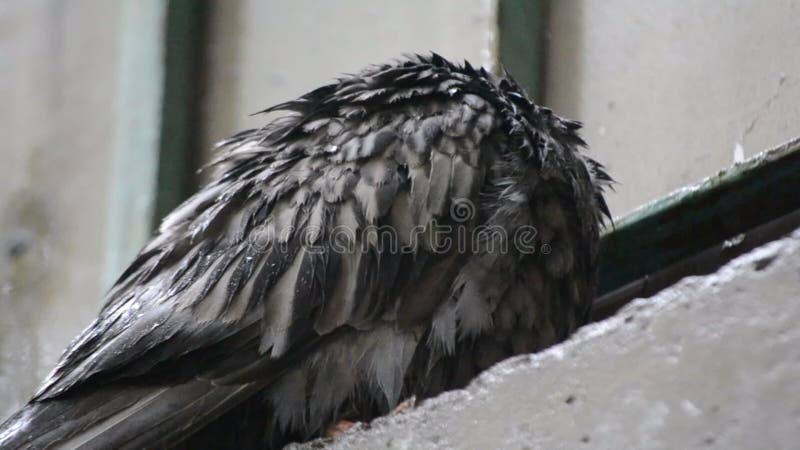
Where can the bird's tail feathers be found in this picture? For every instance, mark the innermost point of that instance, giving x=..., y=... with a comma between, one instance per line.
x=121, y=417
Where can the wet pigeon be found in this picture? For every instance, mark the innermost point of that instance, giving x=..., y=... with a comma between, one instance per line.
x=388, y=235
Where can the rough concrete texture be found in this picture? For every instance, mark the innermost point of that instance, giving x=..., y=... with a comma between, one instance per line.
x=670, y=92
x=711, y=362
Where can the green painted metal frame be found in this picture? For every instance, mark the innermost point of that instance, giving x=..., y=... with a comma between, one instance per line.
x=153, y=162
x=180, y=152
x=698, y=228
x=137, y=132
x=521, y=41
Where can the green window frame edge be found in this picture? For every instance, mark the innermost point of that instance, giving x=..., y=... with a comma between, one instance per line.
x=152, y=161
x=697, y=229
x=521, y=28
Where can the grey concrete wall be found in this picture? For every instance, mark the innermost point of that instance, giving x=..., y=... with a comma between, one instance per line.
x=57, y=88
x=265, y=52
x=712, y=362
x=671, y=90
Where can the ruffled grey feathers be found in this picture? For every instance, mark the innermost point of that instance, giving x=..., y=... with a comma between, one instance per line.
x=252, y=317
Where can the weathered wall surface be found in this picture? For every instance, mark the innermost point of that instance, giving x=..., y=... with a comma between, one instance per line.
x=57, y=87
x=671, y=91
x=712, y=362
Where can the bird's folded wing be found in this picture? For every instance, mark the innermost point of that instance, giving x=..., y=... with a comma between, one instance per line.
x=283, y=248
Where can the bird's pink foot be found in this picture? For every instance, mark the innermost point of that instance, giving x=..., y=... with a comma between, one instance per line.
x=339, y=428
x=405, y=405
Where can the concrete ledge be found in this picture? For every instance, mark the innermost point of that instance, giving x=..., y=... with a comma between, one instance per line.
x=711, y=362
